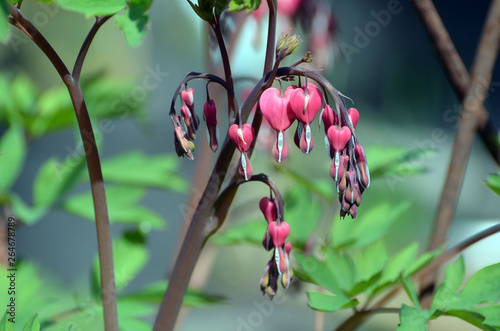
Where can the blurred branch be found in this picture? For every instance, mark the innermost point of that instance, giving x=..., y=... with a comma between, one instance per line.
x=456, y=70
x=469, y=123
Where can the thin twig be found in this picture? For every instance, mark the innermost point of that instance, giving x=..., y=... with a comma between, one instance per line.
x=467, y=127
x=456, y=70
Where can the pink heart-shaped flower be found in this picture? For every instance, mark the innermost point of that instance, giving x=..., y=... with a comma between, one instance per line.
x=268, y=208
x=362, y=166
x=278, y=233
x=354, y=115
x=276, y=110
x=306, y=102
x=188, y=96
x=338, y=138
x=242, y=137
x=210, y=113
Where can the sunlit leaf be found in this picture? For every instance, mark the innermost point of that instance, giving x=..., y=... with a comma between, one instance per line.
x=318, y=272
x=32, y=324
x=471, y=317
x=329, y=303
x=453, y=278
x=239, y=5
x=409, y=288
x=93, y=7
x=370, y=225
x=491, y=314
x=341, y=267
x=141, y=170
x=134, y=21
x=13, y=149
x=413, y=319
x=123, y=207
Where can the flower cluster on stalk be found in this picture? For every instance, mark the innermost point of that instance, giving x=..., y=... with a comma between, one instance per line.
x=312, y=97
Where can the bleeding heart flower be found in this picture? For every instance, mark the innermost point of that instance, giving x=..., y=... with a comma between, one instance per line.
x=338, y=138
x=276, y=110
x=268, y=208
x=188, y=97
x=305, y=103
x=338, y=168
x=354, y=116
x=278, y=233
x=279, y=115
x=242, y=137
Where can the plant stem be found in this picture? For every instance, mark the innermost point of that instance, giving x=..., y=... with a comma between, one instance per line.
x=108, y=290
x=468, y=125
x=353, y=322
x=455, y=68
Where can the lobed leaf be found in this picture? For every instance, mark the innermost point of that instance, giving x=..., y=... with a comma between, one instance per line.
x=329, y=303
x=239, y=5
x=413, y=319
x=453, y=278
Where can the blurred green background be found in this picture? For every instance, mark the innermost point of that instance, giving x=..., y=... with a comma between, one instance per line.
x=397, y=85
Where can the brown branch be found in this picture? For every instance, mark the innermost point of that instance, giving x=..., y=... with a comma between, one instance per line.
x=456, y=70
x=469, y=122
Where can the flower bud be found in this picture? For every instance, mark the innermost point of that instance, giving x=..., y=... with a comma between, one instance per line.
x=188, y=97
x=361, y=166
x=268, y=208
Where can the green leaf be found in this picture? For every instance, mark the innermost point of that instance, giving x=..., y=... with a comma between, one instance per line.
x=395, y=162
x=329, y=303
x=220, y=6
x=93, y=7
x=130, y=256
x=341, y=267
x=25, y=213
x=482, y=287
x=141, y=170
x=153, y=293
x=303, y=213
x=13, y=149
x=370, y=226
x=6, y=325
x=239, y=5
x=318, y=272
x=54, y=179
x=122, y=207
x=4, y=22
x=413, y=319
x=471, y=317
x=453, y=278
x=370, y=260
x=133, y=22
x=246, y=232
x=493, y=183
x=409, y=288
x=423, y=260
x=32, y=324
x=396, y=266
x=491, y=314
x=203, y=10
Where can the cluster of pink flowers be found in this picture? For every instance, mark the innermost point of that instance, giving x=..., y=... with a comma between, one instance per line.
x=278, y=267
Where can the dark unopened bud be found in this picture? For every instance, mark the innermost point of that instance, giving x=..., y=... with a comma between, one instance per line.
x=362, y=166
x=210, y=116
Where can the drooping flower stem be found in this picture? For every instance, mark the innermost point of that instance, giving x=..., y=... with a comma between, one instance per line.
x=105, y=252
